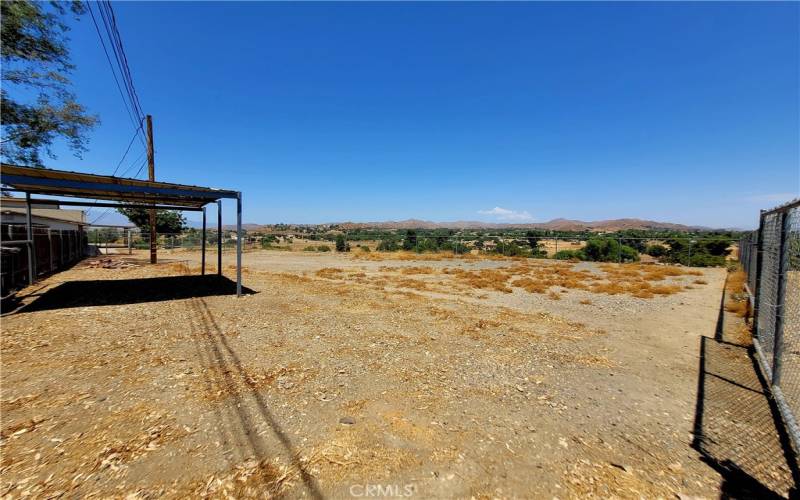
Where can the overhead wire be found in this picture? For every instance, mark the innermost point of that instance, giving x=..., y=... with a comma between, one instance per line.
x=123, y=56
x=132, y=104
x=109, y=23
x=128, y=107
x=133, y=164
x=135, y=134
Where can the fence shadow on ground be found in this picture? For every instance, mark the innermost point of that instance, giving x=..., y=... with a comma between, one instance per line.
x=737, y=428
x=131, y=291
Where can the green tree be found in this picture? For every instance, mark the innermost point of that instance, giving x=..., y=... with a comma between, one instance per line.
x=699, y=253
x=341, y=244
x=609, y=250
x=167, y=221
x=388, y=245
x=569, y=255
x=410, y=241
x=536, y=248
x=36, y=63
x=656, y=250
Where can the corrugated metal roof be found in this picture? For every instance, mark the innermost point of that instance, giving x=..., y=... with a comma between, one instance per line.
x=106, y=187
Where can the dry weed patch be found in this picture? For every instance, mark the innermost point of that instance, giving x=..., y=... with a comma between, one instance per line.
x=330, y=273
x=737, y=301
x=637, y=280
x=490, y=279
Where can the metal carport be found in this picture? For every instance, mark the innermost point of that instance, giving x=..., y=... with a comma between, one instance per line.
x=124, y=193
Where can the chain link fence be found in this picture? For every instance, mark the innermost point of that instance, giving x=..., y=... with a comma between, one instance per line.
x=771, y=258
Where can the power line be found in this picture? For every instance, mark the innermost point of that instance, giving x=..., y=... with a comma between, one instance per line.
x=141, y=167
x=111, y=65
x=135, y=134
x=133, y=164
x=124, y=57
x=109, y=23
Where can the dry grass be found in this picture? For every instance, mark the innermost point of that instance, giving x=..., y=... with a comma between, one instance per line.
x=330, y=273
x=488, y=279
x=737, y=302
x=637, y=280
x=417, y=270
x=737, y=307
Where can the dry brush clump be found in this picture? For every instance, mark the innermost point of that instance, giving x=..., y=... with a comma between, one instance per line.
x=489, y=279
x=737, y=301
x=330, y=273
x=540, y=277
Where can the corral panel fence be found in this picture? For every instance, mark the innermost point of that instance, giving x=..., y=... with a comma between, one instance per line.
x=55, y=249
x=771, y=258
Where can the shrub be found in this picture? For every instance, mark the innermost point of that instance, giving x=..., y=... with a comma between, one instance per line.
x=569, y=255
x=656, y=250
x=537, y=249
x=609, y=250
x=323, y=248
x=388, y=246
x=512, y=249
x=410, y=241
x=341, y=244
x=311, y=248
x=364, y=248
x=426, y=245
x=629, y=254
x=703, y=253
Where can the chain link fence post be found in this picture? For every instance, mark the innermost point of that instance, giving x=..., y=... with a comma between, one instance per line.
x=777, y=355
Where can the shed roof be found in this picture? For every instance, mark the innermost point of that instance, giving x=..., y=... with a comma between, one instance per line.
x=105, y=187
x=58, y=214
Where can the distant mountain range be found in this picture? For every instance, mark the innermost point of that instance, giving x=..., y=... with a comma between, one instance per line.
x=555, y=225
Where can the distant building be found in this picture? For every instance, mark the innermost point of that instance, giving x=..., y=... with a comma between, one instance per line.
x=14, y=211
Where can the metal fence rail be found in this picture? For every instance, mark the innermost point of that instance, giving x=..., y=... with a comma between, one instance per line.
x=771, y=258
x=54, y=249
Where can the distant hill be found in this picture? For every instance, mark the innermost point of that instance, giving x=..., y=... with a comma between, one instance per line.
x=555, y=225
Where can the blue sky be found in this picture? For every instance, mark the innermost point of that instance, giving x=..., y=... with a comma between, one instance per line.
x=325, y=112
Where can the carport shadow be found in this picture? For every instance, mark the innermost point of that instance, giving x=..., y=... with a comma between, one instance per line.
x=131, y=291
x=245, y=409
x=737, y=427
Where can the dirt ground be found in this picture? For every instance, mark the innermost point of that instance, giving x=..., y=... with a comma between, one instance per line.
x=358, y=375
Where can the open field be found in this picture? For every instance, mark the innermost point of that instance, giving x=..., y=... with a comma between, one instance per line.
x=470, y=377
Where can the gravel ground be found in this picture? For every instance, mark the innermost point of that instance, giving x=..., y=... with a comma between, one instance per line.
x=339, y=374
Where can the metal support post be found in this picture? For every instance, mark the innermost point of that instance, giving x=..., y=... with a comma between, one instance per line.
x=759, y=265
x=777, y=357
x=219, y=237
x=239, y=244
x=203, y=246
x=32, y=247
x=50, y=248
x=151, y=176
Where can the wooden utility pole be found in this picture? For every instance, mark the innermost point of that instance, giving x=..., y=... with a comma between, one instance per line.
x=151, y=175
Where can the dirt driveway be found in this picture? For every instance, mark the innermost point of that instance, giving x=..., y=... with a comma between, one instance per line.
x=350, y=377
